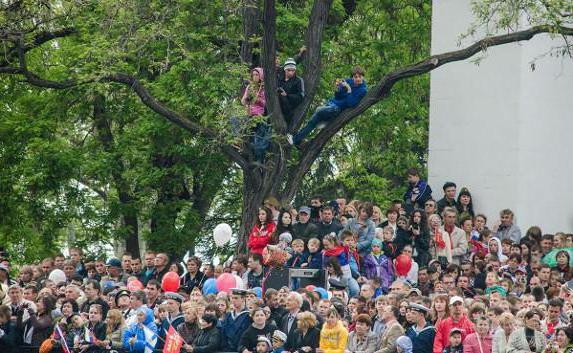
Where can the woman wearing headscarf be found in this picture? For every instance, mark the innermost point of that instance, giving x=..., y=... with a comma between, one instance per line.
x=495, y=248
x=134, y=338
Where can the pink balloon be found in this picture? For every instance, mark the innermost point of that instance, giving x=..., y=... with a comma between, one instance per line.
x=225, y=282
x=170, y=282
x=134, y=285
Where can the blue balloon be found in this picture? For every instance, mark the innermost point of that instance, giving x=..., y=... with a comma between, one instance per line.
x=210, y=286
x=323, y=293
x=258, y=292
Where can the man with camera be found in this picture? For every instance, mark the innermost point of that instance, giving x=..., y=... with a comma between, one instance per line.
x=349, y=92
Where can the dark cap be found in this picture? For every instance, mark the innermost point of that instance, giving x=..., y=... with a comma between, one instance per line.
x=455, y=330
x=113, y=262
x=122, y=293
x=239, y=291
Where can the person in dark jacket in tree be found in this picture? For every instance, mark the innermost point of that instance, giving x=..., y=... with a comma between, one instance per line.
x=209, y=337
x=290, y=89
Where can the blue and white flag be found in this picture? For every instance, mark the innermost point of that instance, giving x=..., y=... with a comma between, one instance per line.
x=88, y=338
x=150, y=340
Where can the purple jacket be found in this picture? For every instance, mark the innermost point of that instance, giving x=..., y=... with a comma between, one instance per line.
x=379, y=267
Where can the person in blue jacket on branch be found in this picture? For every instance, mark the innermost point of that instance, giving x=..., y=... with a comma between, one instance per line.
x=349, y=92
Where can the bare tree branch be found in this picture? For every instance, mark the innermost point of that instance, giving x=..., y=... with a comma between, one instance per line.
x=312, y=149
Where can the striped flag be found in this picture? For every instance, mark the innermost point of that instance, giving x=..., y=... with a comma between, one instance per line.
x=150, y=340
x=59, y=335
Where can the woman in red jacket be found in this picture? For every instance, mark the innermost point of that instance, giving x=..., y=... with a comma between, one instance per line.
x=262, y=232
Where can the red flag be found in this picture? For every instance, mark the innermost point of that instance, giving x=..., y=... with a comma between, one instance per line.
x=173, y=341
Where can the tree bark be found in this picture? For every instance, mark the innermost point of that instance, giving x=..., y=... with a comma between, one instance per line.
x=251, y=29
x=129, y=213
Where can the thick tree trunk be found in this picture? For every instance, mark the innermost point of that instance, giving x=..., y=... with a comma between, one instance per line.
x=128, y=211
x=251, y=28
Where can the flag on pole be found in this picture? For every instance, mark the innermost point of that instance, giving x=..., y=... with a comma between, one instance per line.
x=173, y=341
x=150, y=340
x=62, y=339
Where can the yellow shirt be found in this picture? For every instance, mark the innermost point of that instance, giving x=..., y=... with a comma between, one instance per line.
x=333, y=339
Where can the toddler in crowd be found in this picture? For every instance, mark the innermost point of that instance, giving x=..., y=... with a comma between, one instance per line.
x=279, y=340
x=299, y=255
x=378, y=265
x=263, y=345
x=387, y=236
x=314, y=259
x=455, y=342
x=404, y=344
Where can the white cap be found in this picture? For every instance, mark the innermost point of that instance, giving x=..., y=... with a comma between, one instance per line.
x=456, y=299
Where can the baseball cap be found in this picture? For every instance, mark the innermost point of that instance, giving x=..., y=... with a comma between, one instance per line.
x=113, y=262
x=456, y=299
x=304, y=209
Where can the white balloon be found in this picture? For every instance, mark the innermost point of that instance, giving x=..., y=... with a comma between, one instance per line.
x=239, y=282
x=222, y=234
x=57, y=276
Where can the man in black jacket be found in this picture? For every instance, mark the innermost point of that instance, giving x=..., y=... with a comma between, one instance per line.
x=328, y=223
x=305, y=229
x=290, y=89
x=288, y=323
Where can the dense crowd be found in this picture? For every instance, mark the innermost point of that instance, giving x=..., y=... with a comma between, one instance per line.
x=424, y=276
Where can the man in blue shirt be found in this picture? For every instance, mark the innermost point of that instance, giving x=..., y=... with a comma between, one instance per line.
x=349, y=92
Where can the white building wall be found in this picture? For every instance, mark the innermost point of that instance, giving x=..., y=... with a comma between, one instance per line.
x=501, y=129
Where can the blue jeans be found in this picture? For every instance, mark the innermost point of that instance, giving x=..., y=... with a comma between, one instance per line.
x=261, y=141
x=324, y=113
x=260, y=137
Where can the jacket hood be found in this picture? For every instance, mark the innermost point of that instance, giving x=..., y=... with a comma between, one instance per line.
x=148, y=315
x=405, y=343
x=260, y=71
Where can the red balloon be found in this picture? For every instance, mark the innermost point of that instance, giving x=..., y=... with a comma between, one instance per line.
x=170, y=282
x=134, y=285
x=225, y=282
x=403, y=265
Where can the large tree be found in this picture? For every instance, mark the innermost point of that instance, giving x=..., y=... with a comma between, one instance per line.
x=153, y=47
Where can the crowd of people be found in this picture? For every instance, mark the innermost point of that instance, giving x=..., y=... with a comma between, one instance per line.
x=472, y=285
